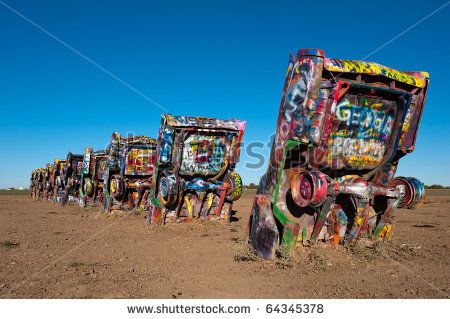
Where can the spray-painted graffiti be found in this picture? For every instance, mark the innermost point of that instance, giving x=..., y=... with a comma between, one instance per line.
x=140, y=161
x=100, y=168
x=298, y=111
x=194, y=175
x=165, y=150
x=86, y=161
x=410, y=124
x=203, y=154
x=79, y=167
x=337, y=136
x=360, y=133
x=91, y=180
x=198, y=121
x=365, y=122
x=352, y=66
x=70, y=178
x=128, y=172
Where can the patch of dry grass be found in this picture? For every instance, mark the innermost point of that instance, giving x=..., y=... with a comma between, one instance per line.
x=153, y=228
x=407, y=251
x=76, y=264
x=318, y=260
x=283, y=258
x=245, y=253
x=368, y=250
x=8, y=244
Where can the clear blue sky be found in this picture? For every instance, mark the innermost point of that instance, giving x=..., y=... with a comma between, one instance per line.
x=224, y=59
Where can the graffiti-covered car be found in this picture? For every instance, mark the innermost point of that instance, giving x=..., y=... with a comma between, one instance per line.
x=33, y=183
x=343, y=126
x=37, y=183
x=128, y=174
x=48, y=187
x=195, y=174
x=71, y=177
x=40, y=180
x=91, y=188
x=56, y=180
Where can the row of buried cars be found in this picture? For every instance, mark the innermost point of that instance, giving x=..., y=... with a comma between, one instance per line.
x=188, y=173
x=342, y=128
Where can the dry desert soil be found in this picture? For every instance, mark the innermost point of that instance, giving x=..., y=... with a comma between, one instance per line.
x=48, y=251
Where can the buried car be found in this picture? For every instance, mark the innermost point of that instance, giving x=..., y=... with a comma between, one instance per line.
x=70, y=177
x=37, y=183
x=195, y=174
x=33, y=183
x=128, y=173
x=91, y=179
x=48, y=187
x=343, y=126
x=56, y=181
x=40, y=183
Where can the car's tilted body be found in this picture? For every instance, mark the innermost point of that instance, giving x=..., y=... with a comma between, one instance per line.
x=56, y=179
x=33, y=183
x=48, y=187
x=91, y=179
x=128, y=173
x=37, y=183
x=195, y=174
x=343, y=126
x=70, y=178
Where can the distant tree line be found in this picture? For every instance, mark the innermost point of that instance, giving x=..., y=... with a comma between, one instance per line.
x=436, y=186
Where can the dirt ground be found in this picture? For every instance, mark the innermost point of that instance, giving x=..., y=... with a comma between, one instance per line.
x=48, y=251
